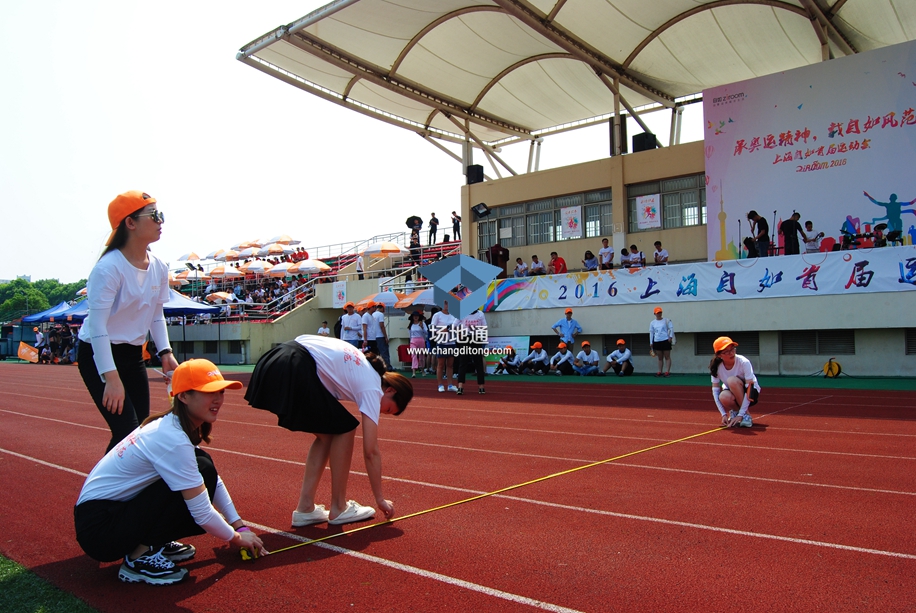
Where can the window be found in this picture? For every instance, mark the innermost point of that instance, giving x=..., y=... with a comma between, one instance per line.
x=541, y=227
x=598, y=220
x=211, y=346
x=817, y=342
x=235, y=347
x=683, y=201
x=910, y=341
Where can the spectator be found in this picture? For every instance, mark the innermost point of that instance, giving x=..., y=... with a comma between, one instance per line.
x=760, y=230
x=324, y=330
x=509, y=363
x=605, y=256
x=39, y=340
x=433, y=226
x=381, y=339
x=443, y=331
x=624, y=258
x=537, y=361
x=661, y=254
x=590, y=262
x=521, y=269
x=812, y=238
x=557, y=265
x=351, y=324
x=419, y=334
x=473, y=336
x=621, y=360
x=637, y=257
x=359, y=266
x=456, y=226
x=790, y=229
x=415, y=248
x=587, y=361
x=537, y=267
x=370, y=329
x=661, y=340
x=562, y=361
x=567, y=328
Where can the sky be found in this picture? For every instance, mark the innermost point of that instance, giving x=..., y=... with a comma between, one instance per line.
x=102, y=96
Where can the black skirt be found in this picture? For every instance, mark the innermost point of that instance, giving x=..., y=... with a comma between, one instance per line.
x=285, y=382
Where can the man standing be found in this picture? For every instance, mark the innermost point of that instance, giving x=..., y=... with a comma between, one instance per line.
x=350, y=326
x=568, y=328
x=557, y=265
x=661, y=254
x=433, y=226
x=605, y=256
x=790, y=229
x=456, y=226
x=812, y=238
x=760, y=230
x=637, y=257
x=621, y=360
x=359, y=266
x=382, y=339
x=370, y=329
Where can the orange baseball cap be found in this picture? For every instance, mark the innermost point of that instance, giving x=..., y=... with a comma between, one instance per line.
x=124, y=205
x=561, y=346
x=584, y=343
x=35, y=329
x=657, y=310
x=569, y=310
x=348, y=305
x=620, y=341
x=722, y=343
x=201, y=376
x=536, y=346
x=509, y=347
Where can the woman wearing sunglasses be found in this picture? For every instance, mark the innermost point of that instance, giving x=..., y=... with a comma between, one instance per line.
x=126, y=290
x=734, y=386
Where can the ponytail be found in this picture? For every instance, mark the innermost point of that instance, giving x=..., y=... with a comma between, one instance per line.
x=714, y=366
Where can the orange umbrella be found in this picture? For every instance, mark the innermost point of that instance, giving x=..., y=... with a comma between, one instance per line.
x=214, y=255
x=228, y=256
x=307, y=267
x=275, y=249
x=173, y=282
x=384, y=249
x=258, y=267
x=389, y=299
x=218, y=297
x=192, y=275
x=189, y=257
x=286, y=239
x=281, y=269
x=228, y=272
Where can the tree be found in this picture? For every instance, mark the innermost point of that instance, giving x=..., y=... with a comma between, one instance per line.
x=23, y=297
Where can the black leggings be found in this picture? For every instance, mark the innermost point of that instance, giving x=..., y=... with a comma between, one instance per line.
x=129, y=362
x=471, y=362
x=108, y=530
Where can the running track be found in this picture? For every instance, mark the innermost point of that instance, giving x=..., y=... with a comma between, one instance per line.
x=811, y=510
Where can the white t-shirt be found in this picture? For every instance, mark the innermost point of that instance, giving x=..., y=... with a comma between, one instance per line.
x=624, y=261
x=474, y=321
x=538, y=356
x=741, y=369
x=559, y=357
x=661, y=257
x=538, y=266
x=442, y=320
x=158, y=450
x=354, y=322
x=606, y=255
x=660, y=330
x=346, y=373
x=379, y=321
x=372, y=329
x=324, y=331
x=418, y=330
x=591, y=359
x=521, y=269
x=124, y=304
x=619, y=356
x=636, y=259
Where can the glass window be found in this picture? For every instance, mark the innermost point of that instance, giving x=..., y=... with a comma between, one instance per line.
x=598, y=220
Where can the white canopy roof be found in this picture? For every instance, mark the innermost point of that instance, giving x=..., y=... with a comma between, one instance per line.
x=504, y=70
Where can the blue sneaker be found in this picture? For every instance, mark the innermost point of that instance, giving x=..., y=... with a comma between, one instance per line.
x=746, y=421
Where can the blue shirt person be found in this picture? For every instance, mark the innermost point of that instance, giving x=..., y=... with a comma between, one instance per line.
x=568, y=328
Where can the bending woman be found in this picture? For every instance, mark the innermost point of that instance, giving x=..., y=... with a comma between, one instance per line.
x=734, y=386
x=157, y=486
x=302, y=381
x=126, y=290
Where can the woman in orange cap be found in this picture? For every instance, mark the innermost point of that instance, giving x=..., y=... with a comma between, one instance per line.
x=157, y=485
x=509, y=363
x=661, y=341
x=126, y=290
x=538, y=361
x=734, y=386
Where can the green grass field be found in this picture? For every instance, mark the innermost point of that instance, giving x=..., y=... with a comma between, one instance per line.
x=25, y=592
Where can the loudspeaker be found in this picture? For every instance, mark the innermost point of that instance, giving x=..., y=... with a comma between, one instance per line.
x=475, y=174
x=481, y=210
x=644, y=141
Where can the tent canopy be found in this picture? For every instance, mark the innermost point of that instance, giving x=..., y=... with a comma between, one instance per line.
x=507, y=70
x=45, y=316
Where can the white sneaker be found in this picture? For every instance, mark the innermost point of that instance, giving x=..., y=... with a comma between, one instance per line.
x=441, y=388
x=746, y=421
x=318, y=516
x=353, y=513
x=452, y=388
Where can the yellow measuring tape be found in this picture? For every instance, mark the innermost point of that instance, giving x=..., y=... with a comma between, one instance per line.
x=247, y=555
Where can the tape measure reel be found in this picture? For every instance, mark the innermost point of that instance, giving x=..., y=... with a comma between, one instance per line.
x=832, y=369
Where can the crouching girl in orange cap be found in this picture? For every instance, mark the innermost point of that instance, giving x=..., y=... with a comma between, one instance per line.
x=156, y=486
x=734, y=386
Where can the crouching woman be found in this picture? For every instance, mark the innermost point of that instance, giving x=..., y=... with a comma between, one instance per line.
x=157, y=485
x=734, y=386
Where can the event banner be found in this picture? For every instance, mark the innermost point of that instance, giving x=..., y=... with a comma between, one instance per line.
x=834, y=141
x=647, y=212
x=887, y=269
x=340, y=294
x=572, y=222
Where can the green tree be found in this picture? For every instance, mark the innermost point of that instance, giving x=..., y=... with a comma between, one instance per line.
x=22, y=297
x=57, y=292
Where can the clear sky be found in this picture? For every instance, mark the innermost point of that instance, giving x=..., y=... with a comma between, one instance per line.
x=103, y=96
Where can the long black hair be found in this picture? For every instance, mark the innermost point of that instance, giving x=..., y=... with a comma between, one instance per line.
x=399, y=383
x=714, y=365
x=196, y=434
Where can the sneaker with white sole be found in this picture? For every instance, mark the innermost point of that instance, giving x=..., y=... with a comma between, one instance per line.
x=746, y=421
x=318, y=516
x=441, y=388
x=178, y=552
x=733, y=419
x=452, y=388
x=353, y=513
x=153, y=568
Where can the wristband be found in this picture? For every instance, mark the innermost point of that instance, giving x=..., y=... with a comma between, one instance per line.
x=243, y=529
x=163, y=352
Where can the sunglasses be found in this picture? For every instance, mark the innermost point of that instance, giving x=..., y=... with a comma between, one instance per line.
x=156, y=216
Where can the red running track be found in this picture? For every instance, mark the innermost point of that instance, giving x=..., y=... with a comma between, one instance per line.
x=810, y=510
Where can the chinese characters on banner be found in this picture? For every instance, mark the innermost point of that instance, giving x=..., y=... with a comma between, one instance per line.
x=571, y=217
x=648, y=214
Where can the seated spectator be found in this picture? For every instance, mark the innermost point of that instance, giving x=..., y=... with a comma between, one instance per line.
x=590, y=262
x=621, y=360
x=509, y=363
x=537, y=361
x=587, y=361
x=637, y=257
x=605, y=256
x=537, y=267
x=661, y=254
x=562, y=361
x=521, y=269
x=557, y=265
x=624, y=258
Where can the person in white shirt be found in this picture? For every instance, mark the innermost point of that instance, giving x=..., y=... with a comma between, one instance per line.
x=359, y=266
x=472, y=346
x=587, y=361
x=324, y=330
x=734, y=385
x=562, y=361
x=624, y=258
x=381, y=338
x=661, y=341
x=441, y=328
x=537, y=267
x=156, y=486
x=812, y=238
x=637, y=257
x=419, y=333
x=370, y=329
x=521, y=269
x=509, y=363
x=303, y=381
x=621, y=360
x=126, y=290
x=660, y=255
x=538, y=361
x=351, y=325
x=605, y=256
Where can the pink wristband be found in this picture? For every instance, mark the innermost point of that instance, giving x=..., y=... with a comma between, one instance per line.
x=243, y=529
